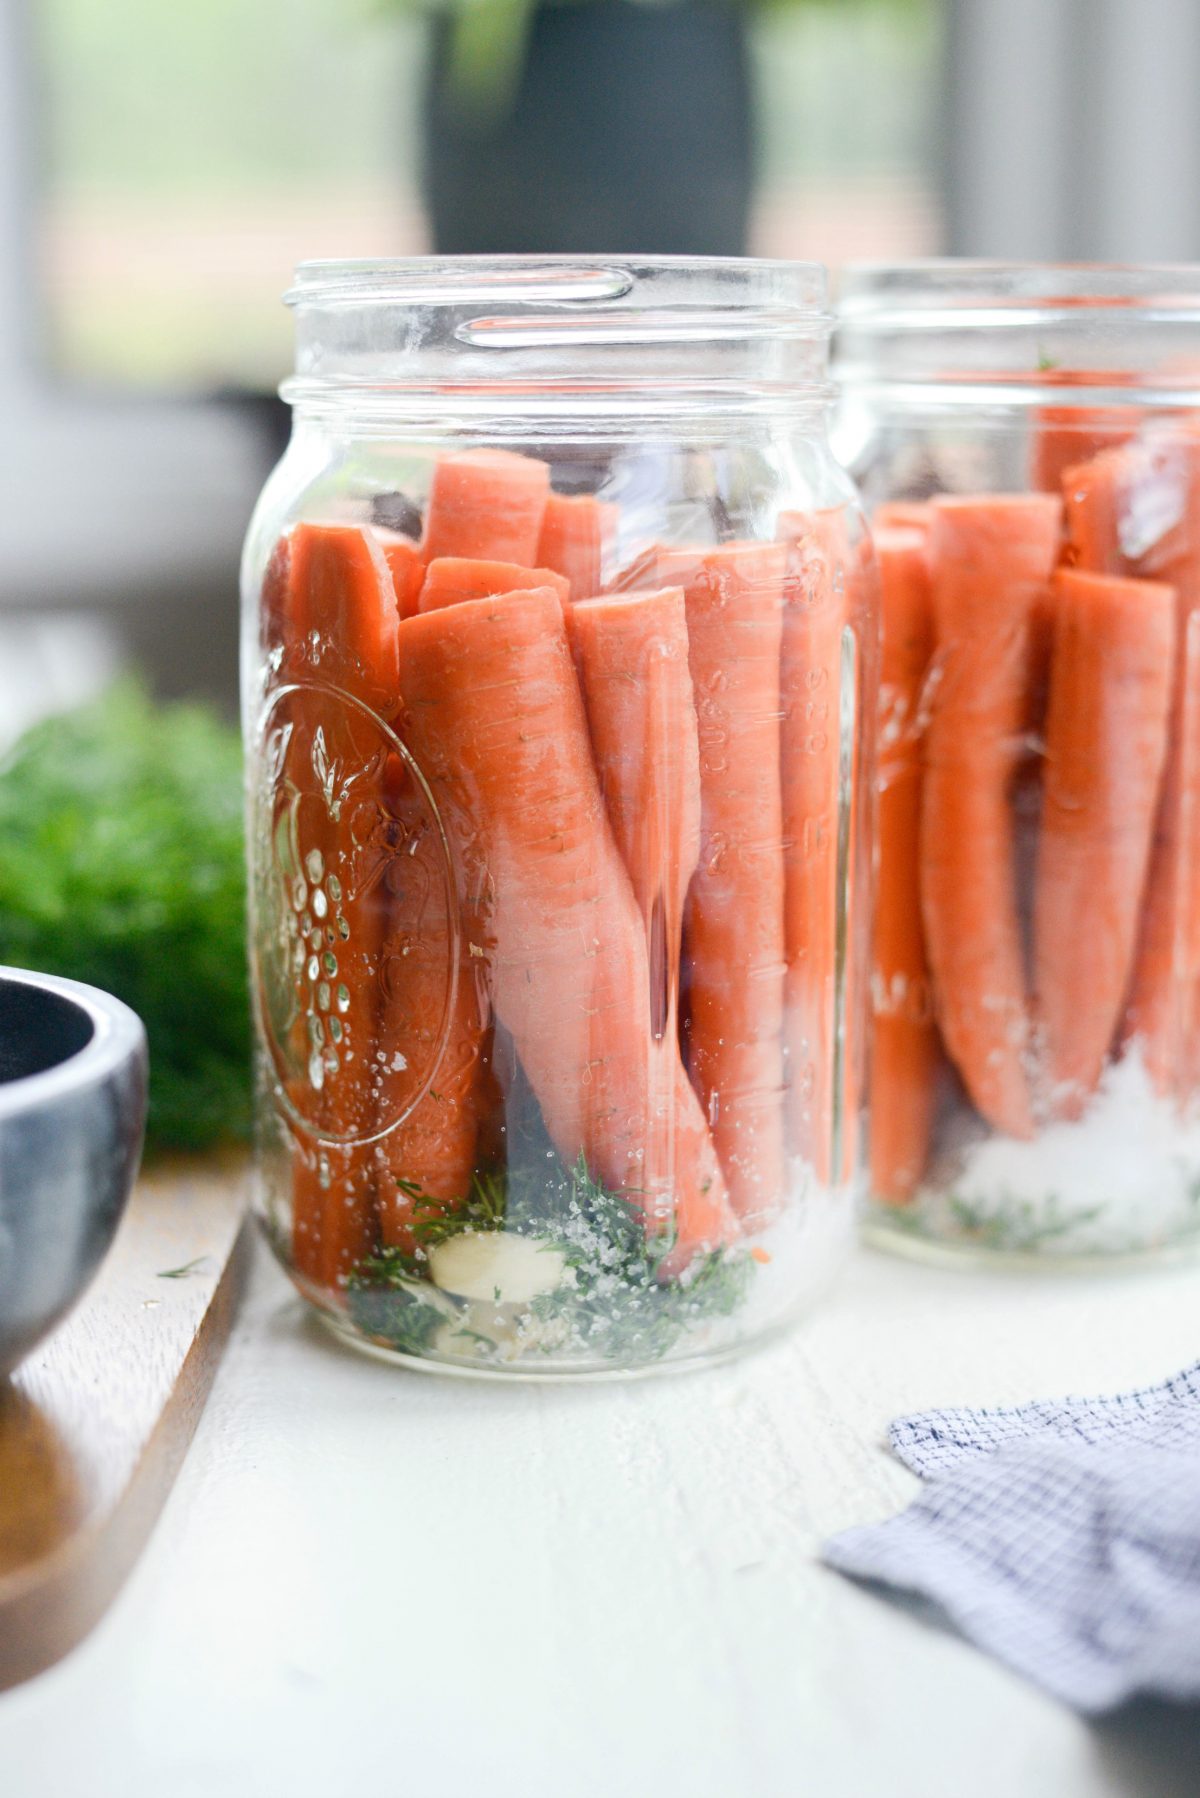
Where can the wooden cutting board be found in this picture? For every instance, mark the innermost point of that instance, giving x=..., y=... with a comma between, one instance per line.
x=95, y=1424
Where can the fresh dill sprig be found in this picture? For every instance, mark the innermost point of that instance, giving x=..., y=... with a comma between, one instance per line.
x=485, y=1209
x=614, y=1303
x=186, y=1271
x=392, y=1299
x=1018, y=1226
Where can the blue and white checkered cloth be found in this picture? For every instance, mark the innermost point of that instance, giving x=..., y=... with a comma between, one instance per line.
x=1063, y=1536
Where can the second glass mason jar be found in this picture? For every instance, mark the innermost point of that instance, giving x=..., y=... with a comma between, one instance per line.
x=1028, y=443
x=558, y=706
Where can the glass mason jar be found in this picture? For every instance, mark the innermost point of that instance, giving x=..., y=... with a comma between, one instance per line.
x=1028, y=444
x=557, y=634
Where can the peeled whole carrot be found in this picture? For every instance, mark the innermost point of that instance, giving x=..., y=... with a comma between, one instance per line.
x=991, y=559
x=451, y=579
x=814, y=618
x=904, y=1042
x=486, y=504
x=733, y=938
x=1135, y=511
x=493, y=714
x=632, y=654
x=1106, y=742
x=576, y=529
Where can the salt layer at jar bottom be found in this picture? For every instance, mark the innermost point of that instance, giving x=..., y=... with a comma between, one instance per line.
x=1121, y=1183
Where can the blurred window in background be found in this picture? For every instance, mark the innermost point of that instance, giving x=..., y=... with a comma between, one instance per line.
x=192, y=153
x=852, y=136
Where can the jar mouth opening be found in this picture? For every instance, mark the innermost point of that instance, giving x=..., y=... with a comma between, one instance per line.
x=665, y=294
x=1115, y=336
x=946, y=293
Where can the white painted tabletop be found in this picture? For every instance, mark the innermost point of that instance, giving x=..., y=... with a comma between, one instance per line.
x=375, y=1582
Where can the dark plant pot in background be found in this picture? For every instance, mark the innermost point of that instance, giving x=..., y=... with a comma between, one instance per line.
x=631, y=130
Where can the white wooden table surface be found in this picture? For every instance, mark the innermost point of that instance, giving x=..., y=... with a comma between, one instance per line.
x=374, y=1582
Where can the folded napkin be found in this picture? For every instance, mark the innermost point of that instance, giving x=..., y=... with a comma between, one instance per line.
x=1062, y=1536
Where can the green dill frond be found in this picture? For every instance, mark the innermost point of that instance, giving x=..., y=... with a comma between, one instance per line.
x=614, y=1303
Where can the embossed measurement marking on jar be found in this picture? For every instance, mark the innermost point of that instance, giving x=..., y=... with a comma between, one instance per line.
x=329, y=862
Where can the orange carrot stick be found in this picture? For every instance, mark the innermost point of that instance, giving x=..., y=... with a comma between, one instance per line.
x=333, y=1211
x=1164, y=1000
x=434, y=1007
x=1106, y=740
x=644, y=571
x=1091, y=495
x=451, y=579
x=407, y=568
x=1129, y=510
x=632, y=653
x=278, y=636
x=341, y=609
x=1182, y=868
x=1070, y=435
x=1067, y=435
x=904, y=1045
x=860, y=699
x=430, y=1064
x=1163, y=1013
x=734, y=941
x=344, y=610
x=991, y=559
x=907, y=514
x=493, y=714
x=1135, y=511
x=576, y=529
x=487, y=504
x=431, y=1045
x=814, y=618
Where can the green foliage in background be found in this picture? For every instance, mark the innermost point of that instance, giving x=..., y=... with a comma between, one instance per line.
x=121, y=864
x=217, y=96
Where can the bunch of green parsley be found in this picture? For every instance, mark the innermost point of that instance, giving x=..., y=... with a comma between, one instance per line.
x=121, y=864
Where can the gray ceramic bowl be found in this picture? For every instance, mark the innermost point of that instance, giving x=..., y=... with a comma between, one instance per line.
x=72, y=1116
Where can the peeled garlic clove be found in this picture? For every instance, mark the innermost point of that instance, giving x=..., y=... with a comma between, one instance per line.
x=495, y=1267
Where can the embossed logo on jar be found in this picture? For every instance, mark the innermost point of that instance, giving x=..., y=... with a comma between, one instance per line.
x=355, y=922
